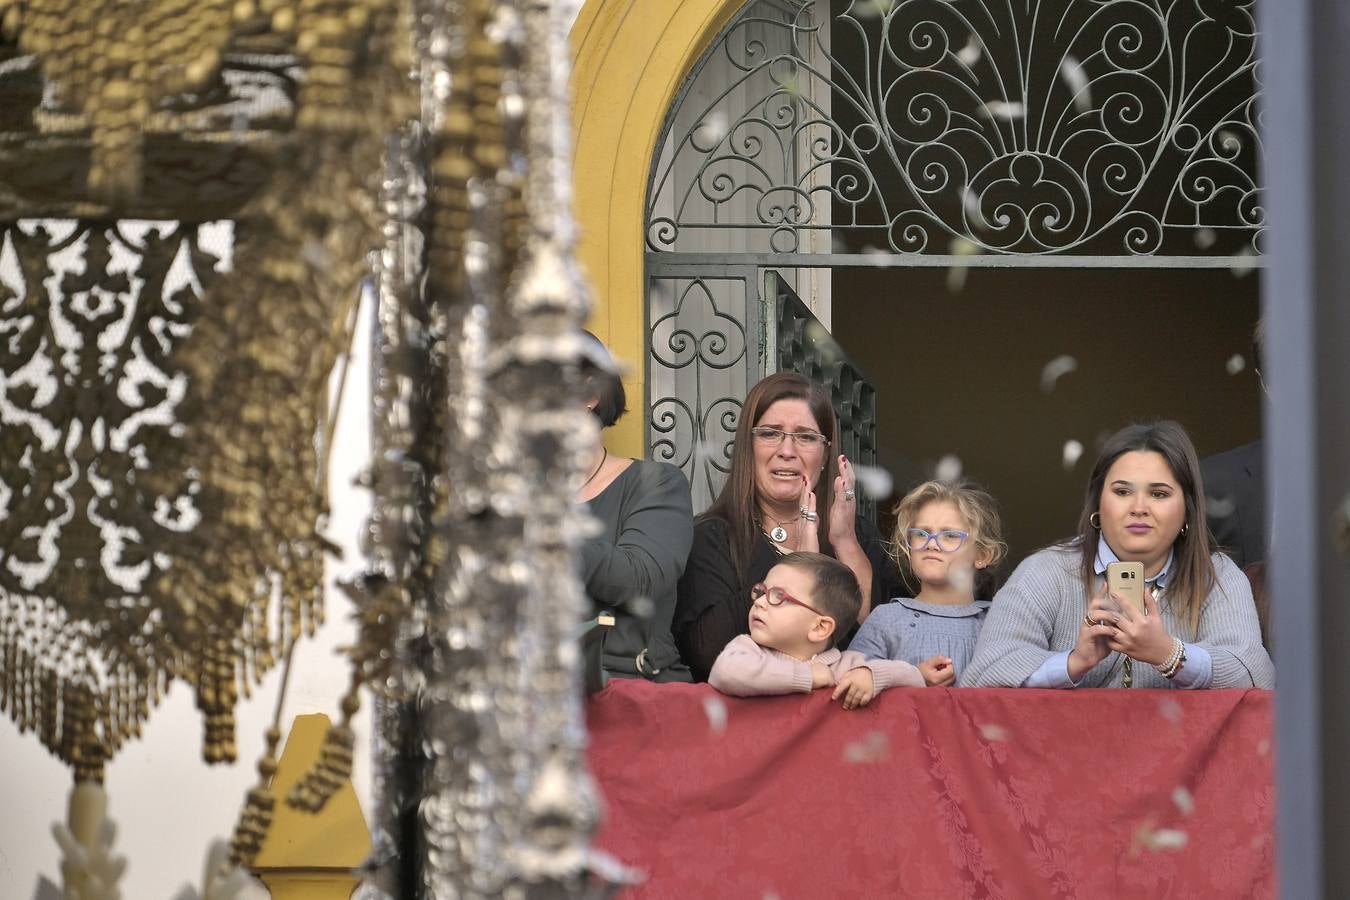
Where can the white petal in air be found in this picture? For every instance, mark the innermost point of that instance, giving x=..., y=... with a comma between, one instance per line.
x=1073, y=450
x=1056, y=369
x=1184, y=801
x=711, y=130
x=1074, y=76
x=1002, y=109
x=948, y=468
x=991, y=732
x=1235, y=364
x=871, y=748
x=716, y=711
x=956, y=275
x=874, y=481
x=970, y=54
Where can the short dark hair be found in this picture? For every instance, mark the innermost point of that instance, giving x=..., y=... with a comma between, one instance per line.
x=836, y=593
x=605, y=385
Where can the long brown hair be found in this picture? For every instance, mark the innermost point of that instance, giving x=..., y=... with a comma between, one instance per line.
x=735, y=504
x=1192, y=576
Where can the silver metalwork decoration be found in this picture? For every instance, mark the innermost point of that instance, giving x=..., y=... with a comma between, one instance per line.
x=1032, y=128
x=480, y=438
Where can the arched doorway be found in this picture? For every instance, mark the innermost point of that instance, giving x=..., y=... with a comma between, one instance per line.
x=868, y=156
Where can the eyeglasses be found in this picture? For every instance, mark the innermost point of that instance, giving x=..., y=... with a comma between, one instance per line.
x=776, y=596
x=948, y=541
x=803, y=439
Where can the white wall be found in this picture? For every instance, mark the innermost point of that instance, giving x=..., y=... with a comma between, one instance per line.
x=167, y=803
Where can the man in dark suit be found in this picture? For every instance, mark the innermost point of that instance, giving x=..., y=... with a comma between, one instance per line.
x=1235, y=501
x=1235, y=488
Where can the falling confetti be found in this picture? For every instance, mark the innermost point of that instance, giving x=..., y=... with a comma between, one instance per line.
x=1166, y=839
x=956, y=275
x=1146, y=837
x=1219, y=507
x=875, y=481
x=1071, y=70
x=1056, y=369
x=1235, y=364
x=991, y=732
x=1073, y=451
x=716, y=711
x=1243, y=262
x=948, y=468
x=873, y=747
x=1184, y=801
x=1002, y=109
x=711, y=130
x=1170, y=710
x=970, y=54
x=873, y=8
x=970, y=201
x=1263, y=748
x=1205, y=238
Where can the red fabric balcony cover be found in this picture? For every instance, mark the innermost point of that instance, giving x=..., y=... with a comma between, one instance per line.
x=938, y=793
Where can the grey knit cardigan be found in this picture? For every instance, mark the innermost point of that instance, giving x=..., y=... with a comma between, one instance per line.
x=1037, y=612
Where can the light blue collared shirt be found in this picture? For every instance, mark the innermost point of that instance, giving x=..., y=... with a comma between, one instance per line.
x=1197, y=673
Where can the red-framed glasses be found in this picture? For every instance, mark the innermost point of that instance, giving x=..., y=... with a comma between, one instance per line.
x=776, y=596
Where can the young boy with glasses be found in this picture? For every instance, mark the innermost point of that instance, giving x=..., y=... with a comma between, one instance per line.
x=794, y=618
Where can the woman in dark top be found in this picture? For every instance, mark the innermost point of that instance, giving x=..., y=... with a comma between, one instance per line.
x=630, y=568
x=782, y=472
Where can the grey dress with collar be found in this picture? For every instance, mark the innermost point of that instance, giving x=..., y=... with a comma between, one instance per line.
x=914, y=631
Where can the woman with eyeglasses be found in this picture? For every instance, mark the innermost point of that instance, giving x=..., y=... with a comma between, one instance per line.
x=1054, y=624
x=948, y=537
x=788, y=489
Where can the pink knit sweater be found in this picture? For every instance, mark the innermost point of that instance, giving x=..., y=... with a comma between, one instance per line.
x=745, y=669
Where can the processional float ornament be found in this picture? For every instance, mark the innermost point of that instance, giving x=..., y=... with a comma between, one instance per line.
x=169, y=525
x=91, y=486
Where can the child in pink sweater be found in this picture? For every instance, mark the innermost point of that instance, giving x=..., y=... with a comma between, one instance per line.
x=790, y=648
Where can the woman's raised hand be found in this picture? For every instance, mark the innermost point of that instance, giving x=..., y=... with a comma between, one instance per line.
x=1141, y=636
x=807, y=536
x=1094, y=635
x=844, y=506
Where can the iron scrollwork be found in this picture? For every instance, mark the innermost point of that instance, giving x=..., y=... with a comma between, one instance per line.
x=1123, y=128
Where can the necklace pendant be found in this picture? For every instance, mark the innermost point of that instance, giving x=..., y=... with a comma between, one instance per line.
x=779, y=534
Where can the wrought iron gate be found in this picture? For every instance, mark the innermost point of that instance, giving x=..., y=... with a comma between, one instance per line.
x=891, y=133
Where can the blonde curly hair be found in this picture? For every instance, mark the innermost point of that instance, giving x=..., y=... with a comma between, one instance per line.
x=976, y=505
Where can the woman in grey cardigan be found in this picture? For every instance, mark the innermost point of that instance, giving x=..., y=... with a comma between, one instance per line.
x=1053, y=624
x=631, y=565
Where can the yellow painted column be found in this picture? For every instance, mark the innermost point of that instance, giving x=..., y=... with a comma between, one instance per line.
x=629, y=60
x=311, y=856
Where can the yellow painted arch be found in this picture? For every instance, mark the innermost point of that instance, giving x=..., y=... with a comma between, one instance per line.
x=629, y=58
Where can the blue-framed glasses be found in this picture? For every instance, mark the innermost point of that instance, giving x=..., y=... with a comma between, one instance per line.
x=948, y=540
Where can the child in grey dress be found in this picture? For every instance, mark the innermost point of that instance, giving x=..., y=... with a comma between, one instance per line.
x=947, y=538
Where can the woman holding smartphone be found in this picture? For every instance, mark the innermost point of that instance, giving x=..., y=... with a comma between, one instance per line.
x=1054, y=624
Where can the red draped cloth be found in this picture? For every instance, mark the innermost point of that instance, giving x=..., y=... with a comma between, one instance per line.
x=937, y=793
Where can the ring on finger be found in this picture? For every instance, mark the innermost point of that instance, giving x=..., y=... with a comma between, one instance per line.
x=1089, y=621
x=809, y=515
x=849, y=493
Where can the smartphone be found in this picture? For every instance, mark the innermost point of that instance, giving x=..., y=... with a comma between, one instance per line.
x=1126, y=581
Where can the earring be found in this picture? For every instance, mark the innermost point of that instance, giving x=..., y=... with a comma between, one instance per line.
x=1095, y=520
x=1185, y=528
